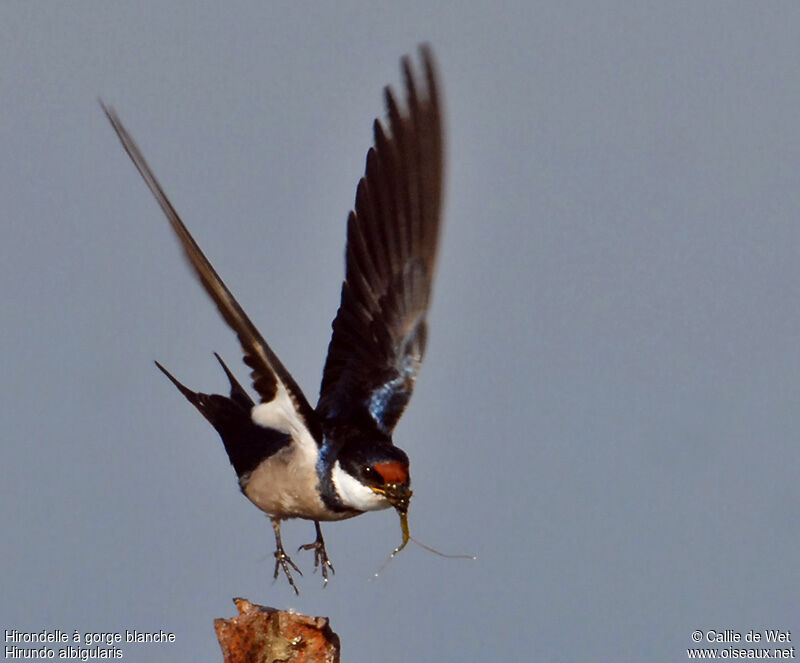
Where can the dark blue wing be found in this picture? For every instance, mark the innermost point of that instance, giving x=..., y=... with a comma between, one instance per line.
x=379, y=332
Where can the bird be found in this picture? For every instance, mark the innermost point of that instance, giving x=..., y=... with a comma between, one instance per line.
x=338, y=460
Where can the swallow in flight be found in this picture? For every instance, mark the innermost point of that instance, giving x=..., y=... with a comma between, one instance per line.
x=338, y=460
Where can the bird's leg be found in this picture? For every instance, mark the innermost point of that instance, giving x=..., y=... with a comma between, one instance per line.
x=282, y=560
x=320, y=554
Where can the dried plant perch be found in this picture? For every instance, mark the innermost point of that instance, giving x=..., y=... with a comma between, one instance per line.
x=266, y=635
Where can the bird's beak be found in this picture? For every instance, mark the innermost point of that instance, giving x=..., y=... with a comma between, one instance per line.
x=398, y=495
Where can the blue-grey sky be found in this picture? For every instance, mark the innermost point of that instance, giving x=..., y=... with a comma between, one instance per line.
x=609, y=411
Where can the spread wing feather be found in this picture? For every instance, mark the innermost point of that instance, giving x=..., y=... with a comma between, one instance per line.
x=380, y=329
x=270, y=379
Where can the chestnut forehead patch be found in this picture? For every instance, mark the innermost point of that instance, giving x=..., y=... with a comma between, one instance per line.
x=392, y=471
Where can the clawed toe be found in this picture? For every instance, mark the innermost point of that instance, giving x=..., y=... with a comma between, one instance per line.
x=321, y=559
x=282, y=563
x=282, y=560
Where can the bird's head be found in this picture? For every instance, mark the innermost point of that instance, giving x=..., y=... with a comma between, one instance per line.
x=372, y=475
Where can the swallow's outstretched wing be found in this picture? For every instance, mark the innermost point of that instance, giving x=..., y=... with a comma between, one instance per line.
x=379, y=332
x=284, y=407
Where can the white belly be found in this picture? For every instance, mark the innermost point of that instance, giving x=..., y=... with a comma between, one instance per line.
x=286, y=486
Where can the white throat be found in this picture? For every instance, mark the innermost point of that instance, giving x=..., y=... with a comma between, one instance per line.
x=355, y=494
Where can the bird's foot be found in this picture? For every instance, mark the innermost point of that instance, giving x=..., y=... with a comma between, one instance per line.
x=282, y=563
x=321, y=559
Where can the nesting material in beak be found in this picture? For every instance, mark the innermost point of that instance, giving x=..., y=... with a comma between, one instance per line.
x=399, y=496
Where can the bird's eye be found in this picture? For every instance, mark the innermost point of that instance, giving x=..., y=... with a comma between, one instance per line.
x=372, y=475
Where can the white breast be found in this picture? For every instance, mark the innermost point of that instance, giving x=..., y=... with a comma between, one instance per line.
x=286, y=485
